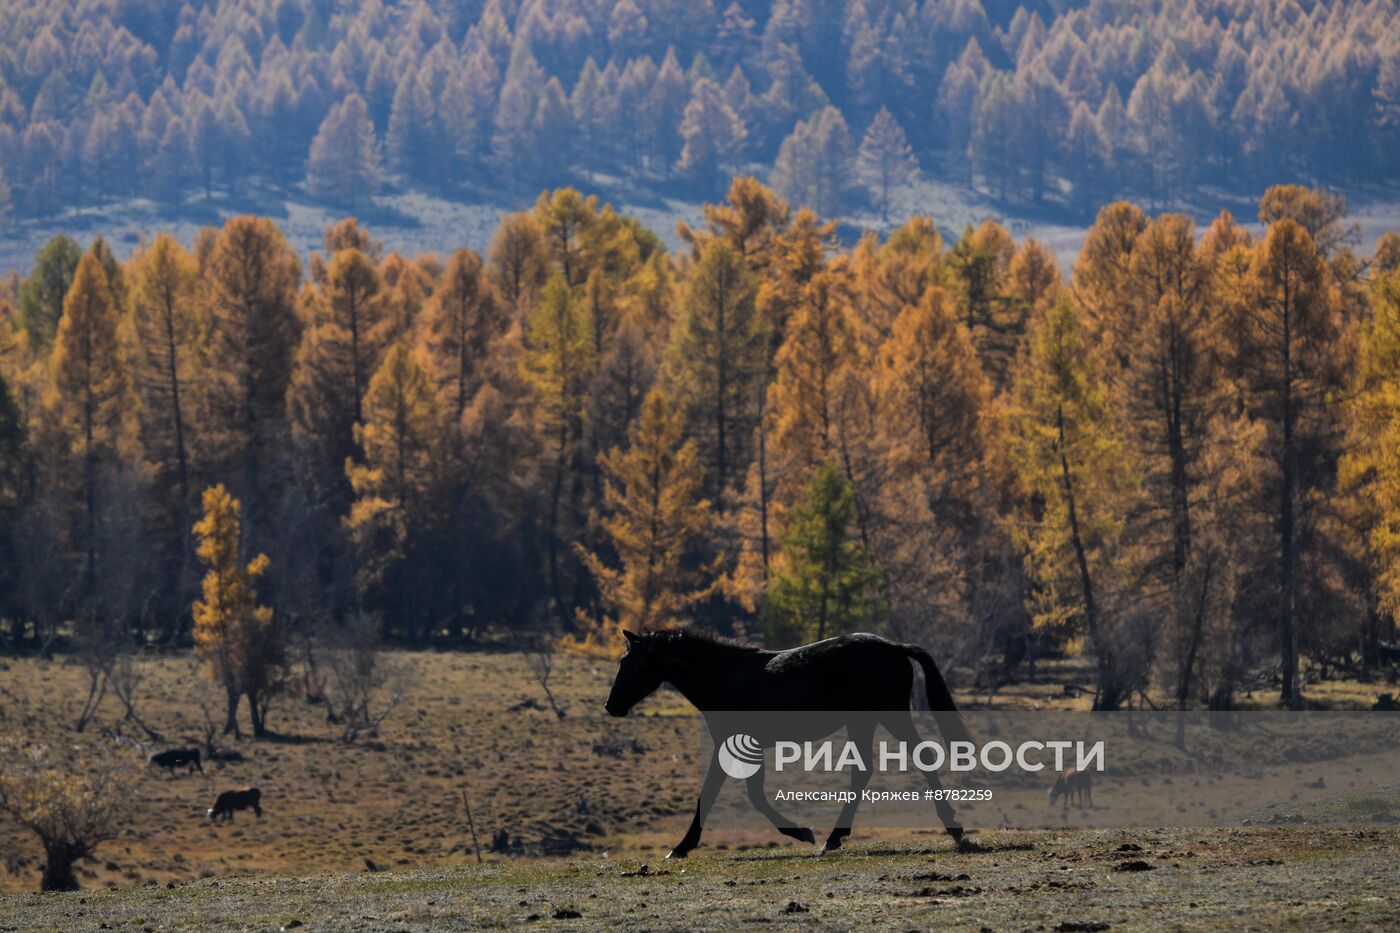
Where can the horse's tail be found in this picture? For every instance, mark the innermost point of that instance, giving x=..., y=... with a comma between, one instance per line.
x=940, y=698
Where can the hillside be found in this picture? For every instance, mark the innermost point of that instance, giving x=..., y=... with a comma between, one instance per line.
x=1058, y=105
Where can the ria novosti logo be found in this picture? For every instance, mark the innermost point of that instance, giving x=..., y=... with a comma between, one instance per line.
x=741, y=756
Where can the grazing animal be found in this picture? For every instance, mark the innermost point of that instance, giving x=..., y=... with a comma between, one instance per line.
x=1072, y=785
x=230, y=800
x=861, y=672
x=173, y=758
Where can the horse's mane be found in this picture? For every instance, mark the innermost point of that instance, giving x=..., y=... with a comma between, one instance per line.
x=702, y=637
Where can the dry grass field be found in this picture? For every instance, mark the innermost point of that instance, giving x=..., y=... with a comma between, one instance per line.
x=374, y=834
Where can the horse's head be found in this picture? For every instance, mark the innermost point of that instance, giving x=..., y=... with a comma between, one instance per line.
x=638, y=675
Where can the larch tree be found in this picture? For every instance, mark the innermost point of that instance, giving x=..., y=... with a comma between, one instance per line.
x=653, y=516
x=814, y=364
x=980, y=264
x=235, y=636
x=1320, y=213
x=346, y=330
x=1102, y=275
x=717, y=362
x=1079, y=476
x=813, y=166
x=250, y=276
x=164, y=324
x=518, y=261
x=933, y=505
x=1168, y=393
x=344, y=162
x=886, y=161
x=1285, y=346
x=932, y=392
x=750, y=218
x=90, y=396
x=565, y=218
x=1370, y=468
x=712, y=134
x=559, y=363
x=819, y=395
x=461, y=321
x=399, y=435
x=12, y=462
x=164, y=319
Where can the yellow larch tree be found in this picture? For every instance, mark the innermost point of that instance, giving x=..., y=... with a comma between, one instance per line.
x=653, y=517
x=399, y=437
x=233, y=633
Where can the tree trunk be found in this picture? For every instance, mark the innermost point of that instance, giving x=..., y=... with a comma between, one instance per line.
x=257, y=715
x=58, y=867
x=1288, y=634
x=1107, y=696
x=231, y=718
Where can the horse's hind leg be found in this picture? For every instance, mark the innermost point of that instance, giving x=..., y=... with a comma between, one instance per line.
x=863, y=736
x=901, y=726
x=714, y=779
x=787, y=827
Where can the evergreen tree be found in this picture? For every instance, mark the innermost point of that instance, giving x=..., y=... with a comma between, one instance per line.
x=42, y=294
x=826, y=583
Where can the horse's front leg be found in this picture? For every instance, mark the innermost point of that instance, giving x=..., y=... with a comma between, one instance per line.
x=787, y=827
x=714, y=779
x=859, y=779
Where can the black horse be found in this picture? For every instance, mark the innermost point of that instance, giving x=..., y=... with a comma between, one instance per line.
x=861, y=680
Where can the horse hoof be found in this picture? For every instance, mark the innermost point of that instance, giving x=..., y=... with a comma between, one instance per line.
x=831, y=845
x=807, y=836
x=678, y=853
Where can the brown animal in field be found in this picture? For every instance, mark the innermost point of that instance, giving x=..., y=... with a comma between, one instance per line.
x=1072, y=785
x=230, y=800
x=173, y=758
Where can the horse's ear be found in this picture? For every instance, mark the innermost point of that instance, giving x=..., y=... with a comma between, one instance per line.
x=632, y=637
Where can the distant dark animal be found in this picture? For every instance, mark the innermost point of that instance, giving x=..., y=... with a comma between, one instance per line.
x=230, y=800
x=862, y=681
x=1072, y=785
x=173, y=758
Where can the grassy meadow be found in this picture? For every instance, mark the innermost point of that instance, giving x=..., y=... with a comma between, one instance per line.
x=575, y=815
